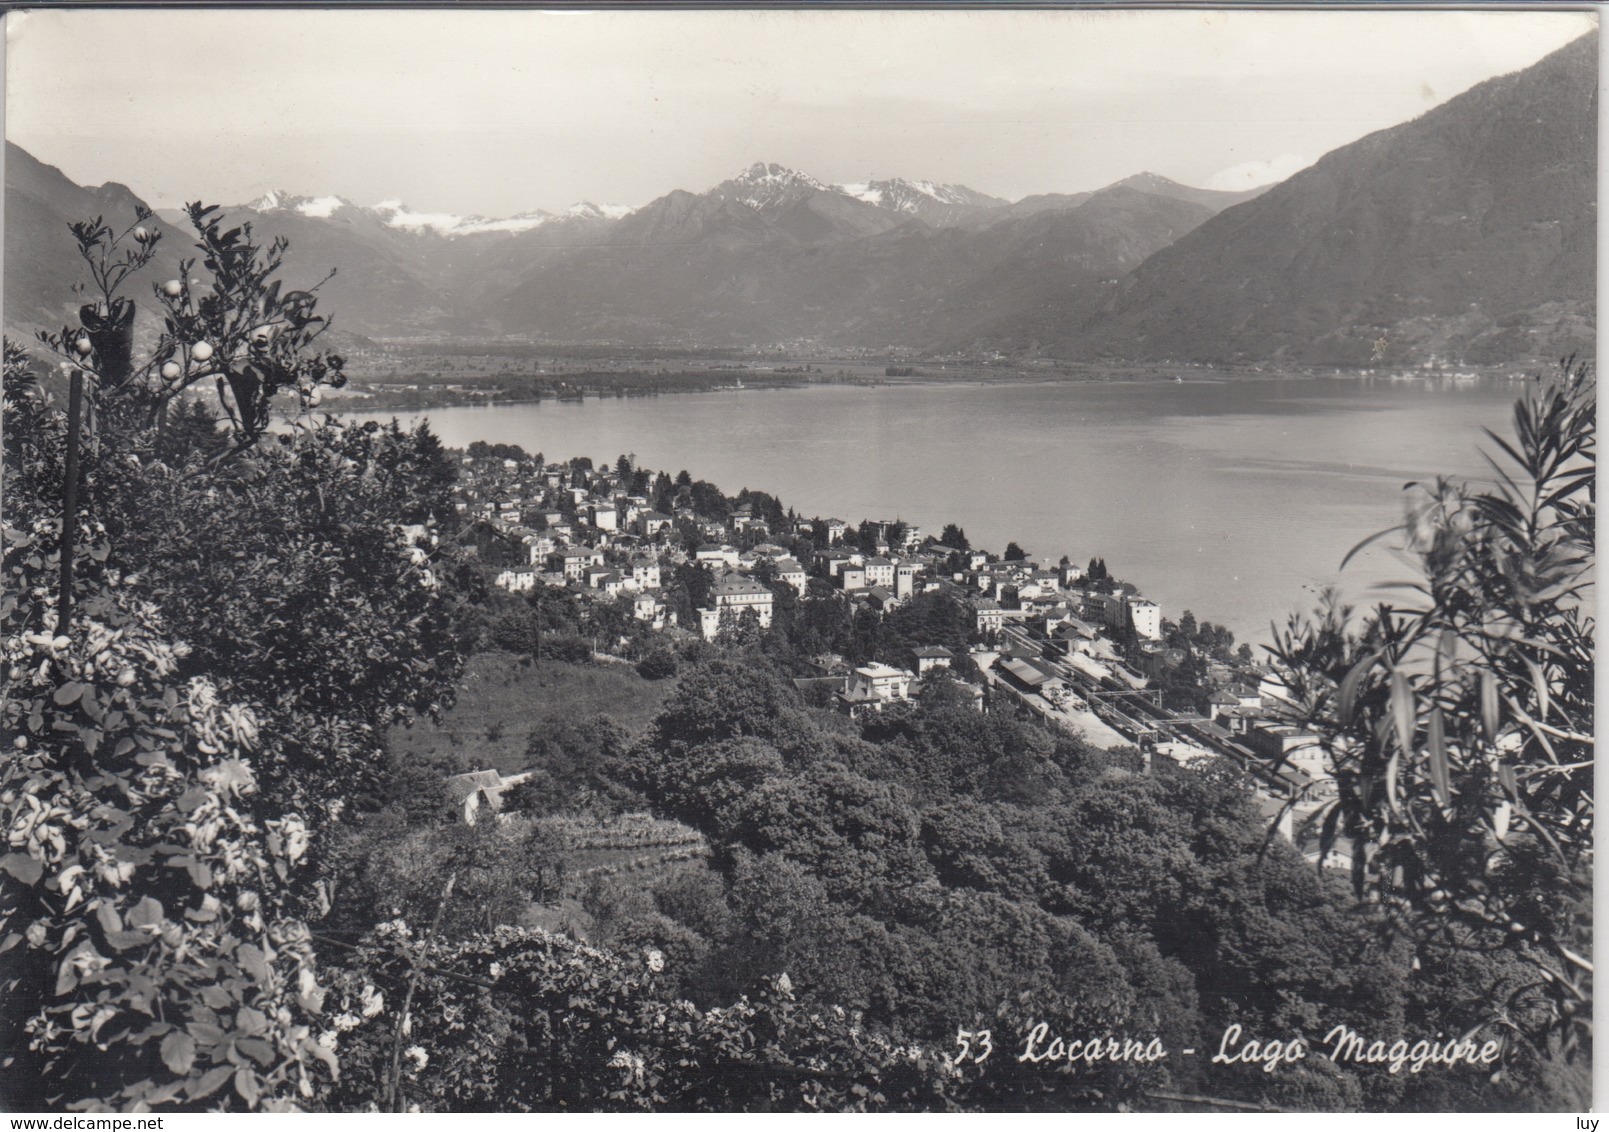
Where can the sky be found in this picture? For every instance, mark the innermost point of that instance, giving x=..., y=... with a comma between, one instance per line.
x=498, y=112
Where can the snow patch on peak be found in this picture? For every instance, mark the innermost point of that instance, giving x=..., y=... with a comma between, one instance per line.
x=586, y=210
x=398, y=215
x=764, y=184
x=523, y=222
x=863, y=190
x=393, y=213
x=900, y=194
x=769, y=173
x=321, y=208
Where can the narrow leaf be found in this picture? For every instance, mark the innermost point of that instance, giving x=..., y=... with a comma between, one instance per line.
x=1540, y=683
x=1438, y=759
x=1402, y=710
x=1500, y=819
x=1347, y=697
x=1378, y=535
x=1505, y=775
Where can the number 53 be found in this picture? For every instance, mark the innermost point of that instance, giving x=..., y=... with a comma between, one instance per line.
x=965, y=1038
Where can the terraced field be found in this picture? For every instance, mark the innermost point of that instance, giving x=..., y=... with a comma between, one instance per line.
x=638, y=849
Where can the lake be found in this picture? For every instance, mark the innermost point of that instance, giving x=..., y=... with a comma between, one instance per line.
x=1234, y=499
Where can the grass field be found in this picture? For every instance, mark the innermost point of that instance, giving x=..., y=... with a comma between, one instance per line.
x=500, y=702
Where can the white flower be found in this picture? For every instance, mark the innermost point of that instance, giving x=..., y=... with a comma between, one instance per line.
x=297, y=839
x=631, y=1063
x=328, y=1039
x=656, y=959
x=496, y=970
x=419, y=1056
x=373, y=1002
x=345, y=1021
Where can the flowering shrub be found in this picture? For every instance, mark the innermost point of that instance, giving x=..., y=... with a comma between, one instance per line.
x=523, y=1020
x=150, y=959
x=527, y=1021
x=246, y=621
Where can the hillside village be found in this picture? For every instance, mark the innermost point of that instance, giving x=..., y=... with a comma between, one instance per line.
x=651, y=562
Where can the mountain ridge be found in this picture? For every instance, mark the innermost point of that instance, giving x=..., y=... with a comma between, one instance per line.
x=1467, y=233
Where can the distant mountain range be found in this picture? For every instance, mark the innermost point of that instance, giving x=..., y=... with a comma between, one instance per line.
x=1467, y=233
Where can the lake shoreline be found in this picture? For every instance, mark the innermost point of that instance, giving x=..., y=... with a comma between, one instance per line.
x=441, y=397
x=1235, y=499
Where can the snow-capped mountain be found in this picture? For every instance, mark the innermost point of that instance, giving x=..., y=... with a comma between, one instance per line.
x=767, y=184
x=319, y=208
x=935, y=203
x=763, y=187
x=396, y=214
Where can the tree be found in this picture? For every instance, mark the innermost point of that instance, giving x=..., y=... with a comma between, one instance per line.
x=954, y=537
x=658, y=664
x=1015, y=553
x=1459, y=725
x=1188, y=627
x=335, y=638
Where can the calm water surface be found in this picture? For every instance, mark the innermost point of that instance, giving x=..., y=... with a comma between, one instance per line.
x=1236, y=500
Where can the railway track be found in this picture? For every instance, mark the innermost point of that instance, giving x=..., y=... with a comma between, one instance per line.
x=1140, y=719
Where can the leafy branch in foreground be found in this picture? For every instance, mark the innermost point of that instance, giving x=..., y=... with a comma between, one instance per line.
x=242, y=329
x=1459, y=725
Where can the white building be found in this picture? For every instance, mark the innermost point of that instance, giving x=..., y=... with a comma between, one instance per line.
x=645, y=573
x=789, y=571
x=712, y=555
x=517, y=579
x=873, y=685
x=1146, y=618
x=737, y=594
